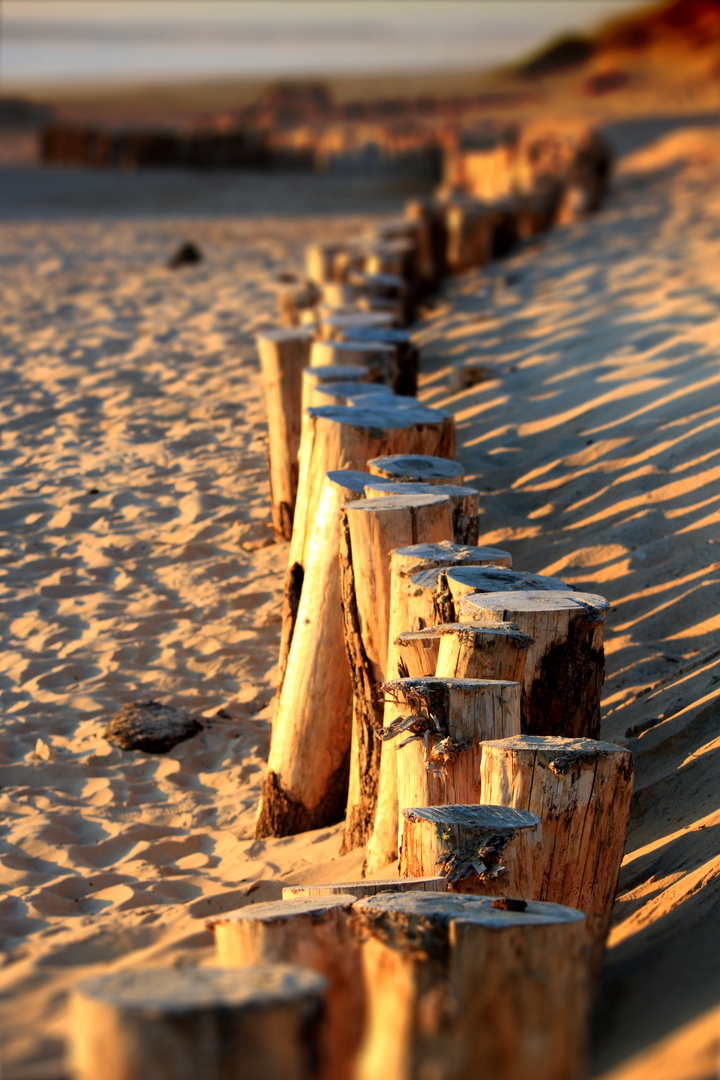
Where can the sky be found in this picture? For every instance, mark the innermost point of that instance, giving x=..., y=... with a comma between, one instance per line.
x=75, y=41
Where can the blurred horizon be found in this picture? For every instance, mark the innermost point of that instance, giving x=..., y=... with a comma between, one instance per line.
x=74, y=43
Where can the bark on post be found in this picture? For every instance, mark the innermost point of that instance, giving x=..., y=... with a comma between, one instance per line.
x=284, y=354
x=522, y=983
x=312, y=933
x=406, y=357
x=465, y=986
x=192, y=1022
x=417, y=468
x=305, y=786
x=581, y=790
x=486, y=850
x=465, y=500
x=466, y=651
x=313, y=377
x=369, y=531
x=411, y=609
x=566, y=664
x=439, y=728
x=361, y=889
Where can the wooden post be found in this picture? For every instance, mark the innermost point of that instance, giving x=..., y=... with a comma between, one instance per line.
x=305, y=786
x=406, y=356
x=466, y=651
x=338, y=437
x=521, y=979
x=417, y=468
x=581, y=790
x=361, y=889
x=369, y=531
x=429, y=216
x=411, y=609
x=460, y=581
x=313, y=377
x=470, y=227
x=465, y=500
x=320, y=262
x=439, y=726
x=566, y=664
x=157, y=1023
x=462, y=987
x=312, y=933
x=487, y=850
x=284, y=354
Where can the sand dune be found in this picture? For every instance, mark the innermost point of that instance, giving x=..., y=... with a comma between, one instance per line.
x=134, y=563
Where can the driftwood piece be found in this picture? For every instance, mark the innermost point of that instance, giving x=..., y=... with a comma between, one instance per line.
x=460, y=987
x=417, y=468
x=486, y=850
x=361, y=889
x=312, y=933
x=565, y=667
x=581, y=790
x=465, y=500
x=151, y=727
x=305, y=786
x=439, y=728
x=284, y=354
x=369, y=531
x=406, y=356
x=468, y=650
x=313, y=377
x=258, y=1023
x=411, y=609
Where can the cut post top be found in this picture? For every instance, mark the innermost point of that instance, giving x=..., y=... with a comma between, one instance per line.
x=438, y=910
x=426, y=685
x=480, y=817
x=377, y=485
x=390, y=335
x=337, y=373
x=368, y=887
x=353, y=346
x=279, y=334
x=446, y=553
x=536, y=600
x=380, y=416
x=415, y=466
x=497, y=578
x=350, y=479
x=185, y=990
x=468, y=631
x=555, y=747
x=391, y=503
x=283, y=910
x=352, y=319
x=353, y=389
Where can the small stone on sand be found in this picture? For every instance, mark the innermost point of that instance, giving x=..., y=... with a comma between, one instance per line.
x=151, y=727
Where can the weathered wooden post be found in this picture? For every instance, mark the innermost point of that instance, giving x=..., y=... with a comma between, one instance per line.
x=374, y=356
x=284, y=355
x=361, y=889
x=369, y=531
x=465, y=501
x=488, y=850
x=466, y=651
x=581, y=791
x=336, y=324
x=417, y=468
x=406, y=356
x=470, y=229
x=566, y=663
x=305, y=786
x=411, y=608
x=462, y=581
x=311, y=933
x=356, y=393
x=429, y=216
x=439, y=728
x=460, y=987
x=258, y=1023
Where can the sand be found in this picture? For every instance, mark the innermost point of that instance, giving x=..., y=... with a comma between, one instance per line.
x=137, y=562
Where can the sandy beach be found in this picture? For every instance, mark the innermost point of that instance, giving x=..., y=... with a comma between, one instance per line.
x=137, y=561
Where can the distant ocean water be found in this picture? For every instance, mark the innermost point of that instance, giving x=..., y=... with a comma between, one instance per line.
x=138, y=40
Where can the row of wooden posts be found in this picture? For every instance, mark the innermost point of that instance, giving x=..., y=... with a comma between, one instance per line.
x=443, y=705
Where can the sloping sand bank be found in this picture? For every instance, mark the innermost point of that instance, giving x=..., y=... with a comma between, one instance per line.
x=131, y=565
